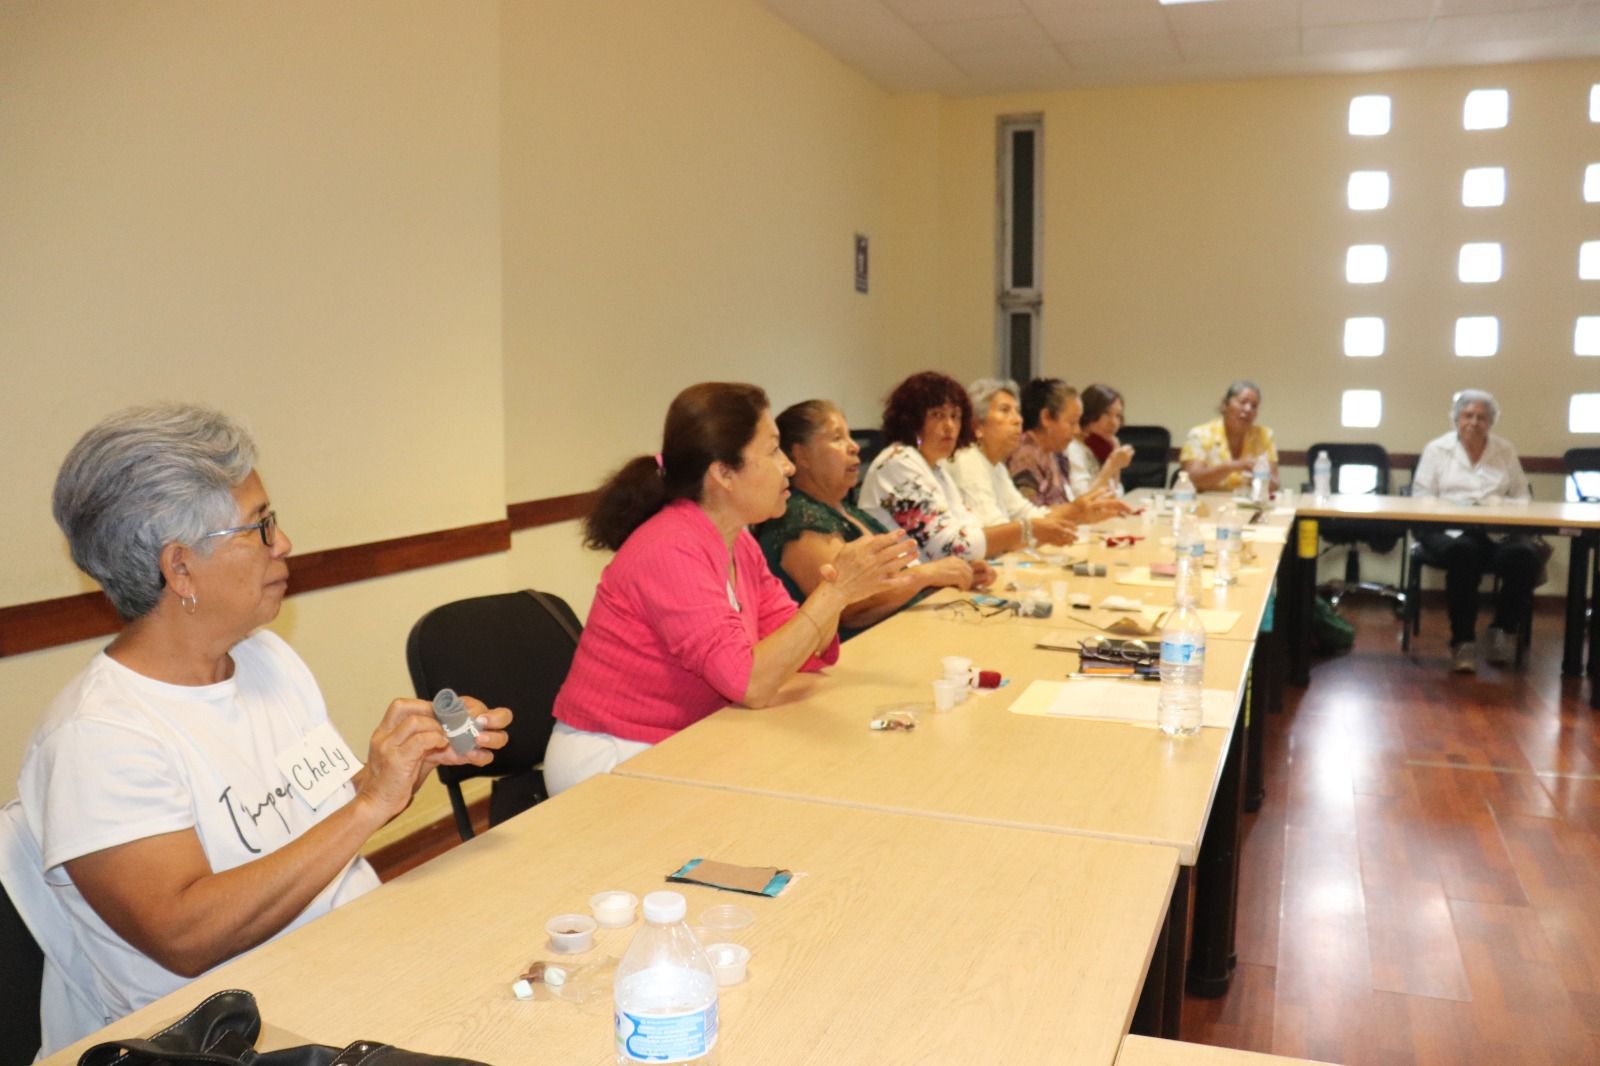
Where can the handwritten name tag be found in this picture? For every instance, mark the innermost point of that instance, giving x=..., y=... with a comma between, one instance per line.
x=318, y=765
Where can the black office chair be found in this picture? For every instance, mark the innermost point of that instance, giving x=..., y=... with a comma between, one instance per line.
x=1583, y=473
x=509, y=650
x=1360, y=469
x=871, y=442
x=1151, y=447
x=1412, y=616
x=21, y=980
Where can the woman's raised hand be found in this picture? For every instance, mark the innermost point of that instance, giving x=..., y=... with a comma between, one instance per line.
x=409, y=742
x=870, y=565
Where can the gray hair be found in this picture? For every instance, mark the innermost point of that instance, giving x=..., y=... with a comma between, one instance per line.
x=144, y=478
x=1239, y=386
x=1459, y=401
x=983, y=391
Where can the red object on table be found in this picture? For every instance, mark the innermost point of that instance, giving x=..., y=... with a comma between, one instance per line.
x=988, y=679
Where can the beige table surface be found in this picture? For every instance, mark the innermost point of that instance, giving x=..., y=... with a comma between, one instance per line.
x=978, y=762
x=1410, y=509
x=1148, y=1051
x=902, y=940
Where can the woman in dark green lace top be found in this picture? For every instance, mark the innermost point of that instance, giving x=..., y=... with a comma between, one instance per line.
x=819, y=521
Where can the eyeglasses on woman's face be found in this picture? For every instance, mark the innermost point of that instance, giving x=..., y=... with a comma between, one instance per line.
x=267, y=527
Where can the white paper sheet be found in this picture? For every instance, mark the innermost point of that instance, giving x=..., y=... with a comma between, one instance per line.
x=1117, y=701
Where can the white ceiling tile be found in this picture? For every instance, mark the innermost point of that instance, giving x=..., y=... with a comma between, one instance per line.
x=1099, y=20
x=1234, y=16
x=984, y=35
x=1009, y=69
x=1365, y=36
x=1096, y=54
x=1340, y=12
x=1498, y=29
x=1108, y=42
x=874, y=41
x=1494, y=7
x=920, y=12
x=1263, y=44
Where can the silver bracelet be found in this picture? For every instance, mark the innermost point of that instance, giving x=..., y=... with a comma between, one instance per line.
x=1028, y=538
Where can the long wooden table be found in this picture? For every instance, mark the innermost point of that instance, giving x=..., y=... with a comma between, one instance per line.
x=1145, y=1051
x=981, y=763
x=1578, y=522
x=902, y=939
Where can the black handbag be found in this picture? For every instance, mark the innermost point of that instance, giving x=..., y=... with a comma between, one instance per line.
x=222, y=1031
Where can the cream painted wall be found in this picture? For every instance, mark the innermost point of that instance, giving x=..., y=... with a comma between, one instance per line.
x=681, y=188
x=292, y=212
x=1195, y=233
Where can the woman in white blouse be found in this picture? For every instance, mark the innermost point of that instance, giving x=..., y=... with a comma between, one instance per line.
x=1471, y=465
x=925, y=419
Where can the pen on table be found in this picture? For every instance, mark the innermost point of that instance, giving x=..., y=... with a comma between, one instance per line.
x=1112, y=677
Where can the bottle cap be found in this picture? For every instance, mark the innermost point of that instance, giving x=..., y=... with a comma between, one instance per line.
x=665, y=907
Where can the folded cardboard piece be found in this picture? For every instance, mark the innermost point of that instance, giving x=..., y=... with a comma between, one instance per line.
x=754, y=880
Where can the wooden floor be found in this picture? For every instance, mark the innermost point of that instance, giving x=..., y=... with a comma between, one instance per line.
x=1422, y=883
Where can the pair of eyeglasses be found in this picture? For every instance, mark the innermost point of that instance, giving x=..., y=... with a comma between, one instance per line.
x=267, y=527
x=1136, y=652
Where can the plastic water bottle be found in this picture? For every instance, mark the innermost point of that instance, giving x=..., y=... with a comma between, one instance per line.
x=1182, y=499
x=1189, y=562
x=665, y=994
x=1322, y=476
x=1228, y=538
x=1260, y=479
x=1183, y=662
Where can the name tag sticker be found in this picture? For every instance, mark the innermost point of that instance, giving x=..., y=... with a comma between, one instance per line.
x=319, y=765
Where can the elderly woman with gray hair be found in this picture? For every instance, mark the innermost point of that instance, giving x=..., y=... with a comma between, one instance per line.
x=980, y=471
x=162, y=789
x=1471, y=465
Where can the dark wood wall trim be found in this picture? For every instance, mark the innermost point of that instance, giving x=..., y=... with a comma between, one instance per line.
x=1531, y=464
x=532, y=513
x=49, y=623
x=44, y=624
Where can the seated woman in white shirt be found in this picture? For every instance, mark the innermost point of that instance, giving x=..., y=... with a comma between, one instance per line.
x=981, y=471
x=172, y=836
x=1472, y=465
x=1095, y=456
x=926, y=418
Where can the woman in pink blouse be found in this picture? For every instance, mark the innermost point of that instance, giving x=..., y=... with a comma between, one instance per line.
x=688, y=618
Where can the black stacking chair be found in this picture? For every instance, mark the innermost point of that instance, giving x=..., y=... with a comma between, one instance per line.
x=1583, y=473
x=509, y=650
x=871, y=442
x=1350, y=464
x=21, y=981
x=1151, y=447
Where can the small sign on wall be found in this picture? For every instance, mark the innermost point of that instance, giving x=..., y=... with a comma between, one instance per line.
x=861, y=262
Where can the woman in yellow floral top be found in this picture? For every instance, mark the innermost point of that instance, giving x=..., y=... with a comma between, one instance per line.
x=1219, y=454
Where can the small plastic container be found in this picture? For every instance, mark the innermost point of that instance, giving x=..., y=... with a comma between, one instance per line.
x=613, y=909
x=570, y=934
x=730, y=961
x=726, y=918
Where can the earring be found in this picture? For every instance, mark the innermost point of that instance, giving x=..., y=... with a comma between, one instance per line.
x=190, y=603
x=919, y=440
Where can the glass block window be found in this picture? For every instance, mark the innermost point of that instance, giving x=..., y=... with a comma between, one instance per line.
x=1368, y=190
x=1369, y=116
x=1486, y=109
x=1479, y=263
x=1361, y=408
x=1583, y=413
x=1586, y=336
x=1589, y=261
x=1366, y=264
x=1478, y=336
x=1483, y=187
x=1363, y=337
